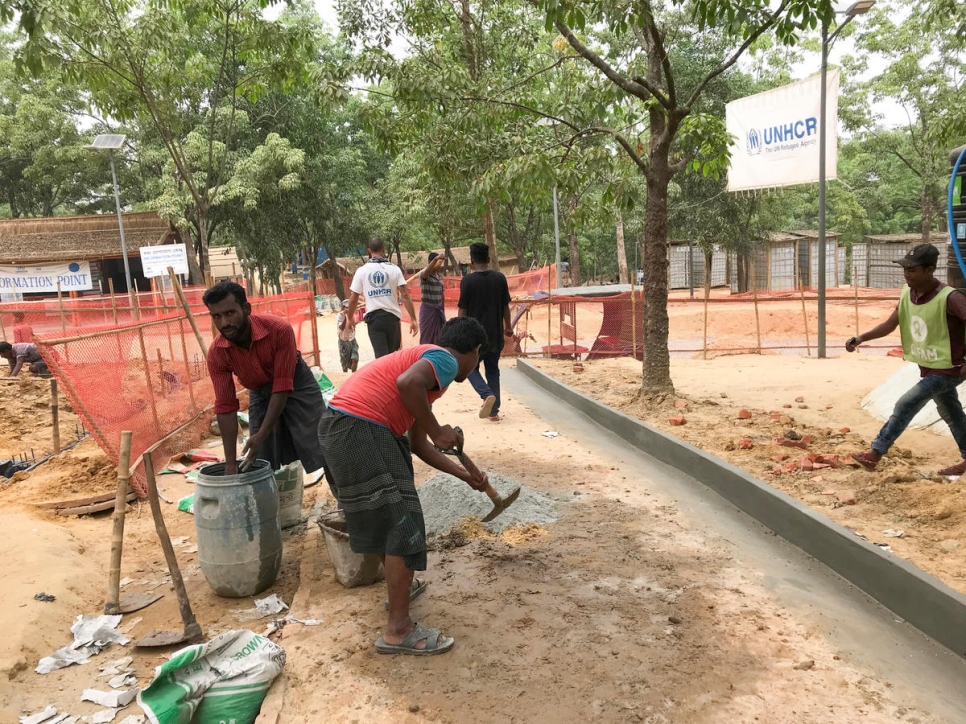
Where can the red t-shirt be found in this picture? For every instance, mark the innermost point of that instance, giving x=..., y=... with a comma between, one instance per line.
x=371, y=393
x=22, y=333
x=271, y=358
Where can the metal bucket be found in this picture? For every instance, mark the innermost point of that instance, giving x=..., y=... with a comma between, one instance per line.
x=351, y=569
x=237, y=524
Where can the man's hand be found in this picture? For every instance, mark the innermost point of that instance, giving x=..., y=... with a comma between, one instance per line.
x=250, y=451
x=447, y=438
x=853, y=343
x=413, y=327
x=478, y=480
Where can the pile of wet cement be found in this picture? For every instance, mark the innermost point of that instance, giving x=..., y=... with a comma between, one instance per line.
x=447, y=500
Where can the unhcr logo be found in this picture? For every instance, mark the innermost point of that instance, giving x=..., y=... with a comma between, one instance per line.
x=784, y=137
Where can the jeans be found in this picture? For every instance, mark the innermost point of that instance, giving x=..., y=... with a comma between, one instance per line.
x=940, y=389
x=490, y=386
x=385, y=332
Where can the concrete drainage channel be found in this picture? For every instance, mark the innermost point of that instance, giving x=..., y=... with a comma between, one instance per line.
x=921, y=599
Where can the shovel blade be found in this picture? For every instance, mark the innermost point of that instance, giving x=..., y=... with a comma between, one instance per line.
x=503, y=505
x=137, y=601
x=161, y=638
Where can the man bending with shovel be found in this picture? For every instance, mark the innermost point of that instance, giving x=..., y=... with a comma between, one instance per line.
x=370, y=465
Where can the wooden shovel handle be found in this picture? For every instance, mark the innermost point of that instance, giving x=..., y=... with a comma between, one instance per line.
x=112, y=604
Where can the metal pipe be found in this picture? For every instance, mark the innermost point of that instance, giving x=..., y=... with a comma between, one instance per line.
x=120, y=225
x=821, y=195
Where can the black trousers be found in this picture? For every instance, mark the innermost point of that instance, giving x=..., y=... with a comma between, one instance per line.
x=385, y=332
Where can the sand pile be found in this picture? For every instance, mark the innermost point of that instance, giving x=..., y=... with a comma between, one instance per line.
x=447, y=501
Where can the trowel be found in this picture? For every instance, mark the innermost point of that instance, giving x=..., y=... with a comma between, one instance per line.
x=500, y=502
x=192, y=631
x=134, y=601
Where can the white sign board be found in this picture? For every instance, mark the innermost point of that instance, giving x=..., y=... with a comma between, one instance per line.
x=776, y=135
x=74, y=276
x=155, y=260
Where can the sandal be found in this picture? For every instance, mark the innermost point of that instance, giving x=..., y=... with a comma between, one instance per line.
x=487, y=408
x=415, y=589
x=865, y=461
x=954, y=470
x=436, y=643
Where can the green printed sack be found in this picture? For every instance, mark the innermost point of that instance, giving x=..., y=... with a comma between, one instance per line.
x=220, y=682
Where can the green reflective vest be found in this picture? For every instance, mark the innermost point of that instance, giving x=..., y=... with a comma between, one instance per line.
x=925, y=331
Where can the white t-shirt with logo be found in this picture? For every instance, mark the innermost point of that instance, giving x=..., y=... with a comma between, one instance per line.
x=378, y=282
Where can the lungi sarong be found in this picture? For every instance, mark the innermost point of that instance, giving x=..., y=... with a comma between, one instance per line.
x=431, y=321
x=370, y=471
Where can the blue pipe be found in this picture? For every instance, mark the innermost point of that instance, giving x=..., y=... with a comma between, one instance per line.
x=949, y=211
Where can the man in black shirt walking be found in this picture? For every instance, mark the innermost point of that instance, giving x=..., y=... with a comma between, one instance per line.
x=485, y=296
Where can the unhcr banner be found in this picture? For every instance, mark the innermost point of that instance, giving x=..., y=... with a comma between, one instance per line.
x=776, y=135
x=73, y=276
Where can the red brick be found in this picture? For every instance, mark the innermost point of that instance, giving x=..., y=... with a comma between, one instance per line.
x=786, y=406
x=799, y=399
x=744, y=415
x=780, y=458
x=745, y=443
x=679, y=420
x=847, y=497
x=680, y=404
x=807, y=440
x=844, y=430
x=785, y=442
x=807, y=465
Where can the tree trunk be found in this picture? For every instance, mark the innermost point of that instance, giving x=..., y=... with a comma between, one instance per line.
x=203, y=262
x=451, y=265
x=621, y=253
x=657, y=360
x=926, y=214
x=340, y=291
x=575, y=278
x=489, y=233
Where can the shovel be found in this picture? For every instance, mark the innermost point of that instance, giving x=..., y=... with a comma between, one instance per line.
x=500, y=503
x=135, y=601
x=192, y=631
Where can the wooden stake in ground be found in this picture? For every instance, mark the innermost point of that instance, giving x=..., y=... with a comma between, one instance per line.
x=707, y=293
x=855, y=283
x=633, y=316
x=313, y=320
x=60, y=303
x=117, y=535
x=549, y=306
x=3, y=332
x=110, y=284
x=754, y=294
x=808, y=346
x=179, y=292
x=55, y=415
x=147, y=380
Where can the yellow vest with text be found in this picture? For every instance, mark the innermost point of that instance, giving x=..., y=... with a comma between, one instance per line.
x=925, y=331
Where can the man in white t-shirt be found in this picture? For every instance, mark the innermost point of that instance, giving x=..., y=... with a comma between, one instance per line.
x=381, y=283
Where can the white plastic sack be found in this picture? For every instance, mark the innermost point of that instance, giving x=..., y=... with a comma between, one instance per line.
x=224, y=680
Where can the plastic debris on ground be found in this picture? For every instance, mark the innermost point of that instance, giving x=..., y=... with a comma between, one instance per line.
x=280, y=623
x=104, y=716
x=45, y=597
x=187, y=504
x=41, y=717
x=550, y=433
x=893, y=533
x=92, y=634
x=110, y=699
x=194, y=685
x=269, y=606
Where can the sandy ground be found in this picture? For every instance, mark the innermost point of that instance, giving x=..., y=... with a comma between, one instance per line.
x=621, y=611
x=902, y=495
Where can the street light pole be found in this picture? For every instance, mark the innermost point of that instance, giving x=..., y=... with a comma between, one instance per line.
x=120, y=224
x=859, y=7
x=556, y=234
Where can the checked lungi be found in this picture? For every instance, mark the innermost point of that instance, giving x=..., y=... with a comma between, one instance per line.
x=295, y=435
x=370, y=471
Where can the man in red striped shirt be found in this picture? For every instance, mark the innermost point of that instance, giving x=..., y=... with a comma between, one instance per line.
x=284, y=399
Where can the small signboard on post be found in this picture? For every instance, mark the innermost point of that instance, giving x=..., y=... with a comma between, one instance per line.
x=155, y=260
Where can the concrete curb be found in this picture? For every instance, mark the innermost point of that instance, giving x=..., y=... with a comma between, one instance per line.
x=921, y=599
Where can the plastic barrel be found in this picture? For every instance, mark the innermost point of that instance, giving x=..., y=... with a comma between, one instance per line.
x=237, y=524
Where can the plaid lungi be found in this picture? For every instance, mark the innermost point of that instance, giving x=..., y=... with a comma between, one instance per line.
x=370, y=471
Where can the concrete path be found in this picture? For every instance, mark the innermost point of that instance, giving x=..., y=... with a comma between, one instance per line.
x=918, y=670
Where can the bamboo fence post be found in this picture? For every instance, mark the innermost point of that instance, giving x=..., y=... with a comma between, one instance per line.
x=73, y=312
x=60, y=303
x=147, y=379
x=549, y=309
x=3, y=332
x=179, y=292
x=313, y=320
x=754, y=294
x=167, y=326
x=110, y=284
x=707, y=293
x=55, y=415
x=855, y=283
x=187, y=367
x=161, y=371
x=117, y=533
x=633, y=316
x=132, y=293
x=808, y=346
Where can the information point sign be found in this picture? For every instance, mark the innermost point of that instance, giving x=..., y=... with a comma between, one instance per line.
x=155, y=260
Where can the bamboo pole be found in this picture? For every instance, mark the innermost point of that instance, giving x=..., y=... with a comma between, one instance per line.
x=161, y=371
x=549, y=309
x=117, y=533
x=60, y=303
x=855, y=283
x=73, y=312
x=3, y=332
x=176, y=431
x=55, y=415
x=110, y=284
x=754, y=293
x=313, y=320
x=808, y=346
x=179, y=292
x=147, y=379
x=187, y=367
x=132, y=293
x=707, y=293
x=167, y=327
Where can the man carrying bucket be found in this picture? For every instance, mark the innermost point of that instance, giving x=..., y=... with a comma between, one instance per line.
x=370, y=464
x=284, y=397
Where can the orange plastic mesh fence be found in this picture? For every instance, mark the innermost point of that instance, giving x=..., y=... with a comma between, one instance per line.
x=151, y=377
x=590, y=328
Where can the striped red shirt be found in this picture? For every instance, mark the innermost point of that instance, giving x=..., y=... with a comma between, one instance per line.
x=271, y=358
